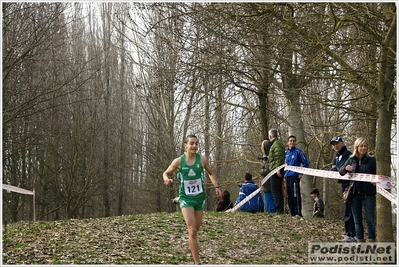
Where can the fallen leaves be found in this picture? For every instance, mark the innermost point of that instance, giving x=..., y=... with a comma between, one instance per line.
x=161, y=238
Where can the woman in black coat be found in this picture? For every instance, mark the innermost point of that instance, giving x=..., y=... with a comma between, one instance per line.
x=363, y=192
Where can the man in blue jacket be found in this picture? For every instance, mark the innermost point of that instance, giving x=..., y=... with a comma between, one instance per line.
x=255, y=204
x=294, y=157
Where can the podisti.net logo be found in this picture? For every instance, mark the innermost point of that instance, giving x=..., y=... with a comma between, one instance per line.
x=373, y=253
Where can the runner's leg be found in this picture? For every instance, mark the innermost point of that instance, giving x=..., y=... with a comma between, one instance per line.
x=193, y=220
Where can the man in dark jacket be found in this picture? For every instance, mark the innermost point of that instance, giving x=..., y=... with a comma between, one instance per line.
x=255, y=204
x=276, y=159
x=341, y=155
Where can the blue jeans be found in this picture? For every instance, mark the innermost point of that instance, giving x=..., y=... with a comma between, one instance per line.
x=369, y=210
x=270, y=207
x=348, y=220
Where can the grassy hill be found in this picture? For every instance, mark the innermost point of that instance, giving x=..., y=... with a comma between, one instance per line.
x=161, y=238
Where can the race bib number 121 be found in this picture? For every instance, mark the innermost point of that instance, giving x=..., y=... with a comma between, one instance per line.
x=193, y=187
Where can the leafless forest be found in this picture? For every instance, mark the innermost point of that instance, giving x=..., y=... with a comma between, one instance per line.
x=97, y=97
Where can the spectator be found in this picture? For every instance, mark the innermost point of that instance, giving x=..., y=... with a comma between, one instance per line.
x=266, y=188
x=363, y=193
x=341, y=155
x=294, y=157
x=225, y=203
x=276, y=158
x=255, y=204
x=318, y=207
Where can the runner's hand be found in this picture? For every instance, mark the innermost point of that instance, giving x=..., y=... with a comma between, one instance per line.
x=167, y=181
x=218, y=193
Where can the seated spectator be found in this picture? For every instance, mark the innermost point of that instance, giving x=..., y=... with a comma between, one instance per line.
x=318, y=207
x=255, y=204
x=225, y=203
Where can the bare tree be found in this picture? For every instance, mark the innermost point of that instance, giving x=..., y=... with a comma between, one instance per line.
x=383, y=33
x=97, y=98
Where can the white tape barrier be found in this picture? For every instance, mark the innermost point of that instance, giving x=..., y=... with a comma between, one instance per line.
x=382, y=182
x=386, y=194
x=17, y=189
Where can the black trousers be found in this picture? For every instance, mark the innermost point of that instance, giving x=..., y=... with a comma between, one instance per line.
x=294, y=198
x=276, y=186
x=348, y=217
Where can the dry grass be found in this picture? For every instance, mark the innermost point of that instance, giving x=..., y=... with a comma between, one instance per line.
x=161, y=238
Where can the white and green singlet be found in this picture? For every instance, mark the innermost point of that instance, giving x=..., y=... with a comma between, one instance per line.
x=191, y=179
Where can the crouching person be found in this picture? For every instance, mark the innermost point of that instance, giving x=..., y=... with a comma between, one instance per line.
x=255, y=204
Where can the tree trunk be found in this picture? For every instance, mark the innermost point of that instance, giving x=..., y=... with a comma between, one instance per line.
x=125, y=122
x=384, y=209
x=264, y=124
x=386, y=111
x=295, y=127
x=107, y=99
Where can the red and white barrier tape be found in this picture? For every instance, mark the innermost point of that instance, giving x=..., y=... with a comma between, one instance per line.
x=17, y=189
x=382, y=182
x=386, y=194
